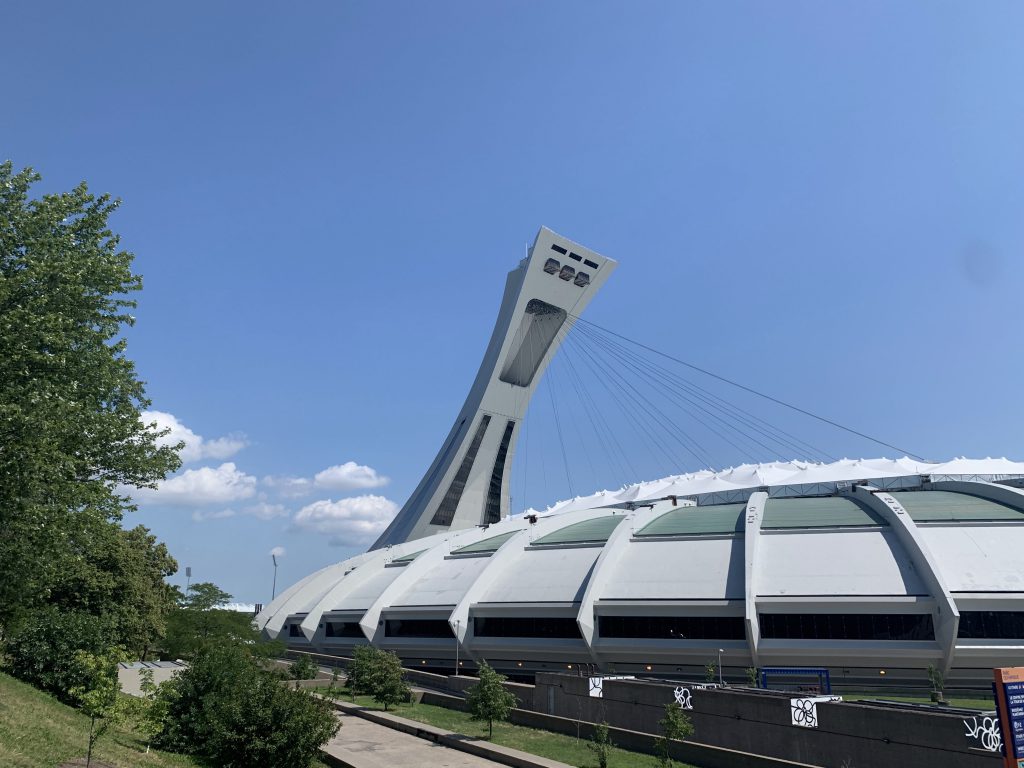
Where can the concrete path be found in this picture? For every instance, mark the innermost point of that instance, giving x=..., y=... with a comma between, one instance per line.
x=362, y=744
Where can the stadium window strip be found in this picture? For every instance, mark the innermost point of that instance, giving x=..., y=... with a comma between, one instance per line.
x=343, y=629
x=559, y=249
x=425, y=628
x=991, y=625
x=526, y=626
x=846, y=626
x=673, y=627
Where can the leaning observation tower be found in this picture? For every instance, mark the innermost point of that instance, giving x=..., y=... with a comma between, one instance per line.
x=861, y=566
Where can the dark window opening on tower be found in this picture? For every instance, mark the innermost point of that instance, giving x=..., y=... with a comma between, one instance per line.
x=537, y=330
x=492, y=510
x=446, y=509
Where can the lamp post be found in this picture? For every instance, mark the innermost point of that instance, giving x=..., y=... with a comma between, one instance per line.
x=456, y=647
x=273, y=592
x=720, y=652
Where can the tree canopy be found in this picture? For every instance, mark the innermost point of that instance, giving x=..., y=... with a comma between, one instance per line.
x=72, y=438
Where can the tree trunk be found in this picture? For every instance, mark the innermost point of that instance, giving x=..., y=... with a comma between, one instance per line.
x=88, y=755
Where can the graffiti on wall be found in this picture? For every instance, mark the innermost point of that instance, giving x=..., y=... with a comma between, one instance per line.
x=804, y=711
x=985, y=733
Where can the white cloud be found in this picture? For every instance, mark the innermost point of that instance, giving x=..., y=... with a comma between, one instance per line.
x=265, y=511
x=351, y=521
x=261, y=510
x=200, y=516
x=206, y=485
x=288, y=487
x=349, y=476
x=277, y=552
x=197, y=448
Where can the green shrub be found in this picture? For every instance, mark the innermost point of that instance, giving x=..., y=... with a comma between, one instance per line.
x=601, y=744
x=303, y=668
x=224, y=708
x=675, y=726
x=43, y=650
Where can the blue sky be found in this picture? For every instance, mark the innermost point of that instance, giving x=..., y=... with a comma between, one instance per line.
x=822, y=200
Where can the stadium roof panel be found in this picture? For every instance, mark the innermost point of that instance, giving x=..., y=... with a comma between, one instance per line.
x=950, y=507
x=696, y=521
x=818, y=512
x=593, y=531
x=486, y=546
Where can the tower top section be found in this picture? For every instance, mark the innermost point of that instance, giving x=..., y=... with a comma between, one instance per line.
x=467, y=484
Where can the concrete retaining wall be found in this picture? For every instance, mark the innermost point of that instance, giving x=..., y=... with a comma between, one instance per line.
x=848, y=734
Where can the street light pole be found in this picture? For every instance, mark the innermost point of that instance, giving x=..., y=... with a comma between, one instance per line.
x=456, y=647
x=720, y=651
x=273, y=592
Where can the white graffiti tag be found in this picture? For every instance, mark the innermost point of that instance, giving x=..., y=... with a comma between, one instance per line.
x=683, y=697
x=986, y=733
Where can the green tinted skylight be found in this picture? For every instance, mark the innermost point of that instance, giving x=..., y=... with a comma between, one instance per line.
x=486, y=546
x=408, y=558
x=949, y=507
x=593, y=531
x=818, y=512
x=695, y=521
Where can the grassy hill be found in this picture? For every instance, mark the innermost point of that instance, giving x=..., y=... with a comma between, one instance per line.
x=37, y=731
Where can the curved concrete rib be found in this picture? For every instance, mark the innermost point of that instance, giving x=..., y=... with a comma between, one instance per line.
x=1004, y=494
x=299, y=594
x=910, y=537
x=603, y=569
x=753, y=515
x=370, y=623
x=363, y=568
x=499, y=563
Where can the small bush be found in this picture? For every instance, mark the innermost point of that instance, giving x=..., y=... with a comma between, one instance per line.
x=303, y=668
x=226, y=709
x=44, y=649
x=601, y=744
x=675, y=726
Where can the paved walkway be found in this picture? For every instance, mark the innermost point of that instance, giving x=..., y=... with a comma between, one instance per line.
x=362, y=744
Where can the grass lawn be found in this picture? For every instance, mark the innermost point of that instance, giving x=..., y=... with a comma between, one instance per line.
x=37, y=731
x=555, y=746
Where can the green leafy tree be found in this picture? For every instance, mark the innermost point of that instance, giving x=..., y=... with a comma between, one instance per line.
x=488, y=700
x=199, y=620
x=97, y=693
x=149, y=710
x=601, y=744
x=72, y=435
x=227, y=710
x=711, y=671
x=753, y=677
x=360, y=670
x=387, y=679
x=303, y=668
x=675, y=726
x=938, y=682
